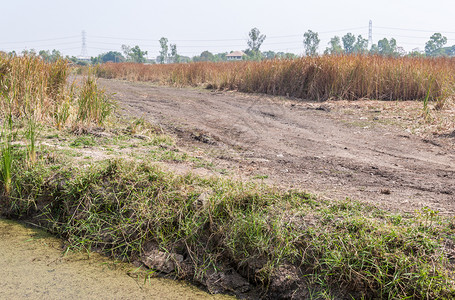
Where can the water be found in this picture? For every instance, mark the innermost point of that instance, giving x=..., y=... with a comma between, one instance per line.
x=32, y=266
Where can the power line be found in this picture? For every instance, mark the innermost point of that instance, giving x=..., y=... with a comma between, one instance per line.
x=44, y=40
x=417, y=30
x=225, y=40
x=410, y=37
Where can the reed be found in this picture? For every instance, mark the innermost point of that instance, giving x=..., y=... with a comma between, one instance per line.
x=31, y=85
x=314, y=78
x=33, y=88
x=6, y=152
x=31, y=135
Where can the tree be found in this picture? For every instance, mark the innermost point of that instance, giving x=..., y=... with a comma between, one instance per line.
x=50, y=56
x=311, y=43
x=387, y=47
x=450, y=51
x=126, y=50
x=134, y=54
x=220, y=56
x=31, y=52
x=164, y=50
x=56, y=55
x=204, y=56
x=256, y=40
x=416, y=52
x=137, y=55
x=361, y=45
x=207, y=56
x=269, y=54
x=335, y=46
x=113, y=56
x=348, y=43
x=434, y=45
x=44, y=54
x=174, y=55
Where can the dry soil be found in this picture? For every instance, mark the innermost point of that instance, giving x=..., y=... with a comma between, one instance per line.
x=301, y=144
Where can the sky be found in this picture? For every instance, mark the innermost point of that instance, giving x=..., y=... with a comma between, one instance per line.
x=216, y=26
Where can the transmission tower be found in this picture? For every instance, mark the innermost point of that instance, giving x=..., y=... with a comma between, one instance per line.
x=370, y=34
x=84, y=45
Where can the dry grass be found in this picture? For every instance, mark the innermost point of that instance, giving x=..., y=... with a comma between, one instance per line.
x=31, y=88
x=28, y=85
x=315, y=78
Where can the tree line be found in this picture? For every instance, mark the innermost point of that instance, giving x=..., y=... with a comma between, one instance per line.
x=347, y=44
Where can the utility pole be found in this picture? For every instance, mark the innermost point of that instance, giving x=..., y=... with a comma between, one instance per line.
x=370, y=34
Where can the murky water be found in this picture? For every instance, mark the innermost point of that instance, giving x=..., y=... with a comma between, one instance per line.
x=32, y=266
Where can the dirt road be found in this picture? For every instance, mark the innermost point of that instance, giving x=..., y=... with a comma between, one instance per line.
x=301, y=145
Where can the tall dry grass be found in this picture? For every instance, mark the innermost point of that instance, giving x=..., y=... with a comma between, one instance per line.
x=314, y=78
x=28, y=85
x=34, y=92
x=33, y=89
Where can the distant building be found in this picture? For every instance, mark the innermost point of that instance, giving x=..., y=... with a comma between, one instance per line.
x=235, y=55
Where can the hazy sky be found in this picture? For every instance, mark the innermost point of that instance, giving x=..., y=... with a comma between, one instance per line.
x=217, y=26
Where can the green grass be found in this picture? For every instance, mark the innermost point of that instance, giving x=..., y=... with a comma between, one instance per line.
x=118, y=207
x=6, y=150
x=93, y=103
x=81, y=141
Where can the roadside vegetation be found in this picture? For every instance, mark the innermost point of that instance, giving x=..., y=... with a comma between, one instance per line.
x=105, y=183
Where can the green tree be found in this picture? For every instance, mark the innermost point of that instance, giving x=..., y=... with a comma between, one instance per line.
x=50, y=56
x=255, y=41
x=335, y=46
x=311, y=43
x=204, y=56
x=361, y=45
x=220, y=56
x=134, y=54
x=164, y=50
x=416, y=52
x=45, y=54
x=387, y=47
x=434, y=45
x=111, y=56
x=174, y=55
x=348, y=43
x=126, y=50
x=269, y=54
x=207, y=56
x=137, y=55
x=450, y=51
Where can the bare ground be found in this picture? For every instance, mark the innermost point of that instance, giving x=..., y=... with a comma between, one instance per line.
x=333, y=149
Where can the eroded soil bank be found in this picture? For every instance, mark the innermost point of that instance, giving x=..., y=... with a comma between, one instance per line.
x=304, y=145
x=32, y=266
